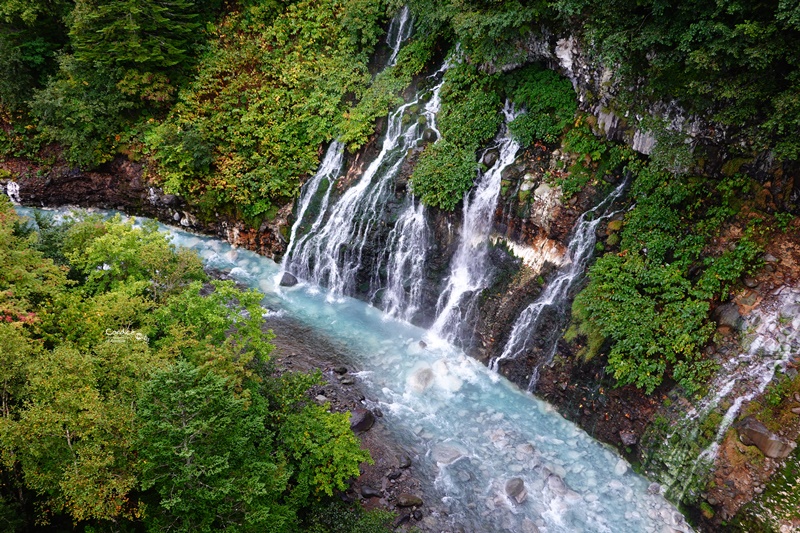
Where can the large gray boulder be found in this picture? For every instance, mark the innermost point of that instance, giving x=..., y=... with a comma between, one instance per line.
x=288, y=280
x=728, y=315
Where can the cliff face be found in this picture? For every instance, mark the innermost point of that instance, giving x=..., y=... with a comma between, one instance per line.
x=124, y=186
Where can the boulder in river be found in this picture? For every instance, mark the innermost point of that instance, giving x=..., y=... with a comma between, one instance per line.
x=288, y=280
x=515, y=489
x=421, y=379
x=361, y=420
x=754, y=433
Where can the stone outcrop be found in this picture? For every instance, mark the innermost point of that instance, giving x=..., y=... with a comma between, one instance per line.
x=123, y=185
x=754, y=433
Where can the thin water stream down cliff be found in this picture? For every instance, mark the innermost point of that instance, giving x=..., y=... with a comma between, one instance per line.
x=492, y=457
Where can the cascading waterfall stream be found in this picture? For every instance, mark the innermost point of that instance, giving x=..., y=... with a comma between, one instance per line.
x=328, y=170
x=489, y=457
x=399, y=31
x=331, y=255
x=12, y=191
x=555, y=296
x=469, y=269
x=407, y=248
x=773, y=341
x=407, y=245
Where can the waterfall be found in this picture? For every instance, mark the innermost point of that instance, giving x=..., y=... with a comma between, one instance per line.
x=554, y=298
x=331, y=254
x=328, y=170
x=399, y=31
x=469, y=269
x=407, y=247
x=12, y=190
x=773, y=341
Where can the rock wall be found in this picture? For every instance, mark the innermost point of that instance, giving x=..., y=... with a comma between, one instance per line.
x=122, y=185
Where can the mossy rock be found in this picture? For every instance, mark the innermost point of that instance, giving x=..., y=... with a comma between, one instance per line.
x=614, y=226
x=732, y=167
x=524, y=195
x=612, y=240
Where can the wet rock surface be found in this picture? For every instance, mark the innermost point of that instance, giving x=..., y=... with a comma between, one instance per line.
x=121, y=184
x=754, y=433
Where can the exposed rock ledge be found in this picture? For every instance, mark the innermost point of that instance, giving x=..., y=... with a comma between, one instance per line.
x=121, y=185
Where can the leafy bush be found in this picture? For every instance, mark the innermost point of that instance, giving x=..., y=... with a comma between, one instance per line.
x=549, y=101
x=651, y=300
x=652, y=319
x=469, y=117
x=444, y=172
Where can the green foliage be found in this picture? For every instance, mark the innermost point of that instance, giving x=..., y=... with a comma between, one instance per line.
x=444, y=172
x=469, y=117
x=140, y=258
x=651, y=300
x=549, y=102
x=339, y=517
x=735, y=60
x=471, y=101
x=272, y=88
x=667, y=329
x=27, y=280
x=595, y=158
x=139, y=396
x=783, y=221
x=487, y=31
x=82, y=109
x=141, y=34
x=31, y=32
x=209, y=456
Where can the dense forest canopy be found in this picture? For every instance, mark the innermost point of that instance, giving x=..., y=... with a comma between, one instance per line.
x=137, y=394
x=230, y=101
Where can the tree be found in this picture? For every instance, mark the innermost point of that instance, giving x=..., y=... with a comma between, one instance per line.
x=145, y=35
x=209, y=456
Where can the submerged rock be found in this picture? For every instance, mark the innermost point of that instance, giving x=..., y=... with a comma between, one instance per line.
x=754, y=433
x=422, y=379
x=515, y=489
x=288, y=280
